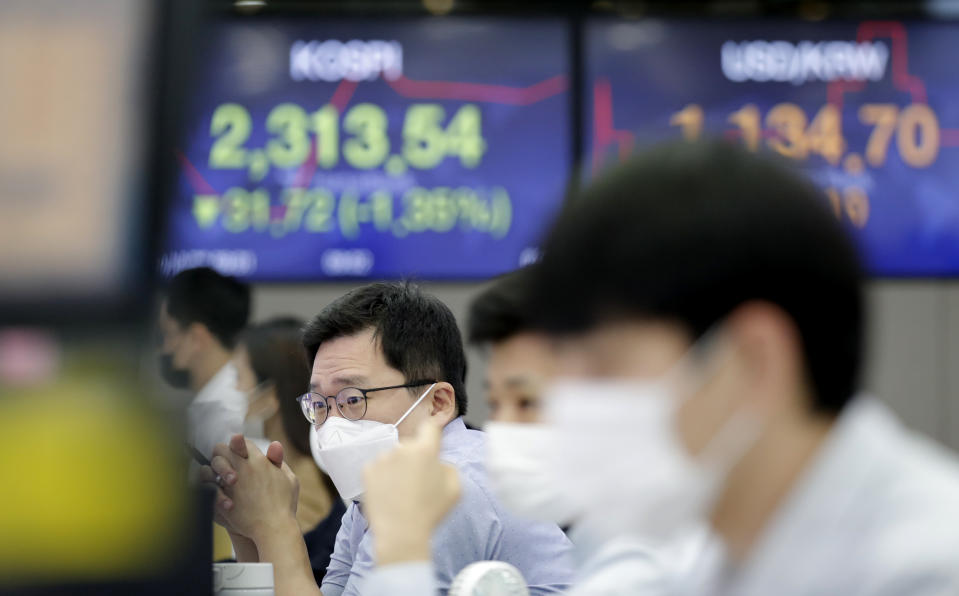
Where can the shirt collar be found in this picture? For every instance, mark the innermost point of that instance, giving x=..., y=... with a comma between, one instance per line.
x=832, y=486
x=223, y=380
x=454, y=428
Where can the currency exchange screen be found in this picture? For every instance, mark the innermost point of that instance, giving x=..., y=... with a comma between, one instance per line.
x=322, y=149
x=867, y=109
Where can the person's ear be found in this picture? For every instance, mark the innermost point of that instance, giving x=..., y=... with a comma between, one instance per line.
x=443, y=401
x=266, y=404
x=769, y=351
x=272, y=406
x=199, y=336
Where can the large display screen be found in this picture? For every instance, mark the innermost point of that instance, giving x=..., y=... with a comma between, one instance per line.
x=868, y=109
x=319, y=148
x=73, y=76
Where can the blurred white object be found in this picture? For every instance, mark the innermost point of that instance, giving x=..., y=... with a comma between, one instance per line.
x=517, y=457
x=489, y=578
x=633, y=475
x=243, y=579
x=874, y=515
x=217, y=411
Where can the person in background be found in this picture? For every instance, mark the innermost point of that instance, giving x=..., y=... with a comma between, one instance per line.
x=272, y=371
x=200, y=317
x=387, y=358
x=520, y=359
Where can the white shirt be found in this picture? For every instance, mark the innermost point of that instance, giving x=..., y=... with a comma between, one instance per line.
x=628, y=566
x=876, y=514
x=217, y=411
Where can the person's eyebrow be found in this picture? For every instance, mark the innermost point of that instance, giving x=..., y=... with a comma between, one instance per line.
x=358, y=381
x=521, y=381
x=345, y=381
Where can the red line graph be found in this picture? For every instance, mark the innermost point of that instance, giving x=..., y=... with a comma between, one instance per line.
x=197, y=181
x=341, y=97
x=520, y=96
x=343, y=94
x=305, y=172
x=901, y=78
x=949, y=137
x=604, y=134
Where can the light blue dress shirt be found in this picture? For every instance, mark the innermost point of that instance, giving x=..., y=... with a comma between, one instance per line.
x=623, y=566
x=477, y=529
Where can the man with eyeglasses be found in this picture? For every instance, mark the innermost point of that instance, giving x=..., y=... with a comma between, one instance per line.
x=386, y=360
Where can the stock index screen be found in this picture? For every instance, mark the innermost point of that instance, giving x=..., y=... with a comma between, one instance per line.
x=321, y=149
x=869, y=110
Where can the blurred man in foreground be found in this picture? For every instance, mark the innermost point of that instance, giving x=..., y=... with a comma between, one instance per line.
x=201, y=316
x=522, y=362
x=717, y=328
x=386, y=360
x=710, y=309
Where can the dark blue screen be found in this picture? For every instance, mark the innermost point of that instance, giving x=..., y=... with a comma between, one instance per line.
x=867, y=109
x=318, y=149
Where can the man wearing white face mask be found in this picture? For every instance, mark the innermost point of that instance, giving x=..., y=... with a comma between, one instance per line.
x=386, y=359
x=710, y=306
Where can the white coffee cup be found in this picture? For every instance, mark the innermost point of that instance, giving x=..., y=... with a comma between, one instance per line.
x=243, y=579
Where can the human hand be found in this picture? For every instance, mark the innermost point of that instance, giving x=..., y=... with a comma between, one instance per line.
x=408, y=492
x=221, y=474
x=257, y=492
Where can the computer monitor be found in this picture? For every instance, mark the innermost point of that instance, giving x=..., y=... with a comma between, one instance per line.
x=326, y=148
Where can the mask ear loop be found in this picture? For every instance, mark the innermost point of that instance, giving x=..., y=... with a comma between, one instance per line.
x=730, y=443
x=693, y=371
x=254, y=394
x=259, y=388
x=698, y=365
x=413, y=407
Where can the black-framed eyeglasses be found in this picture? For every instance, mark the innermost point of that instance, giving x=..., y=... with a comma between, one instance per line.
x=350, y=401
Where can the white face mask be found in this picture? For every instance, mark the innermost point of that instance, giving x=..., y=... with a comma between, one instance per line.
x=618, y=443
x=516, y=461
x=254, y=425
x=344, y=447
x=315, y=449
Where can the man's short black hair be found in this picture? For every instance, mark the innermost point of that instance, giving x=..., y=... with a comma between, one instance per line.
x=417, y=332
x=501, y=311
x=220, y=303
x=689, y=231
